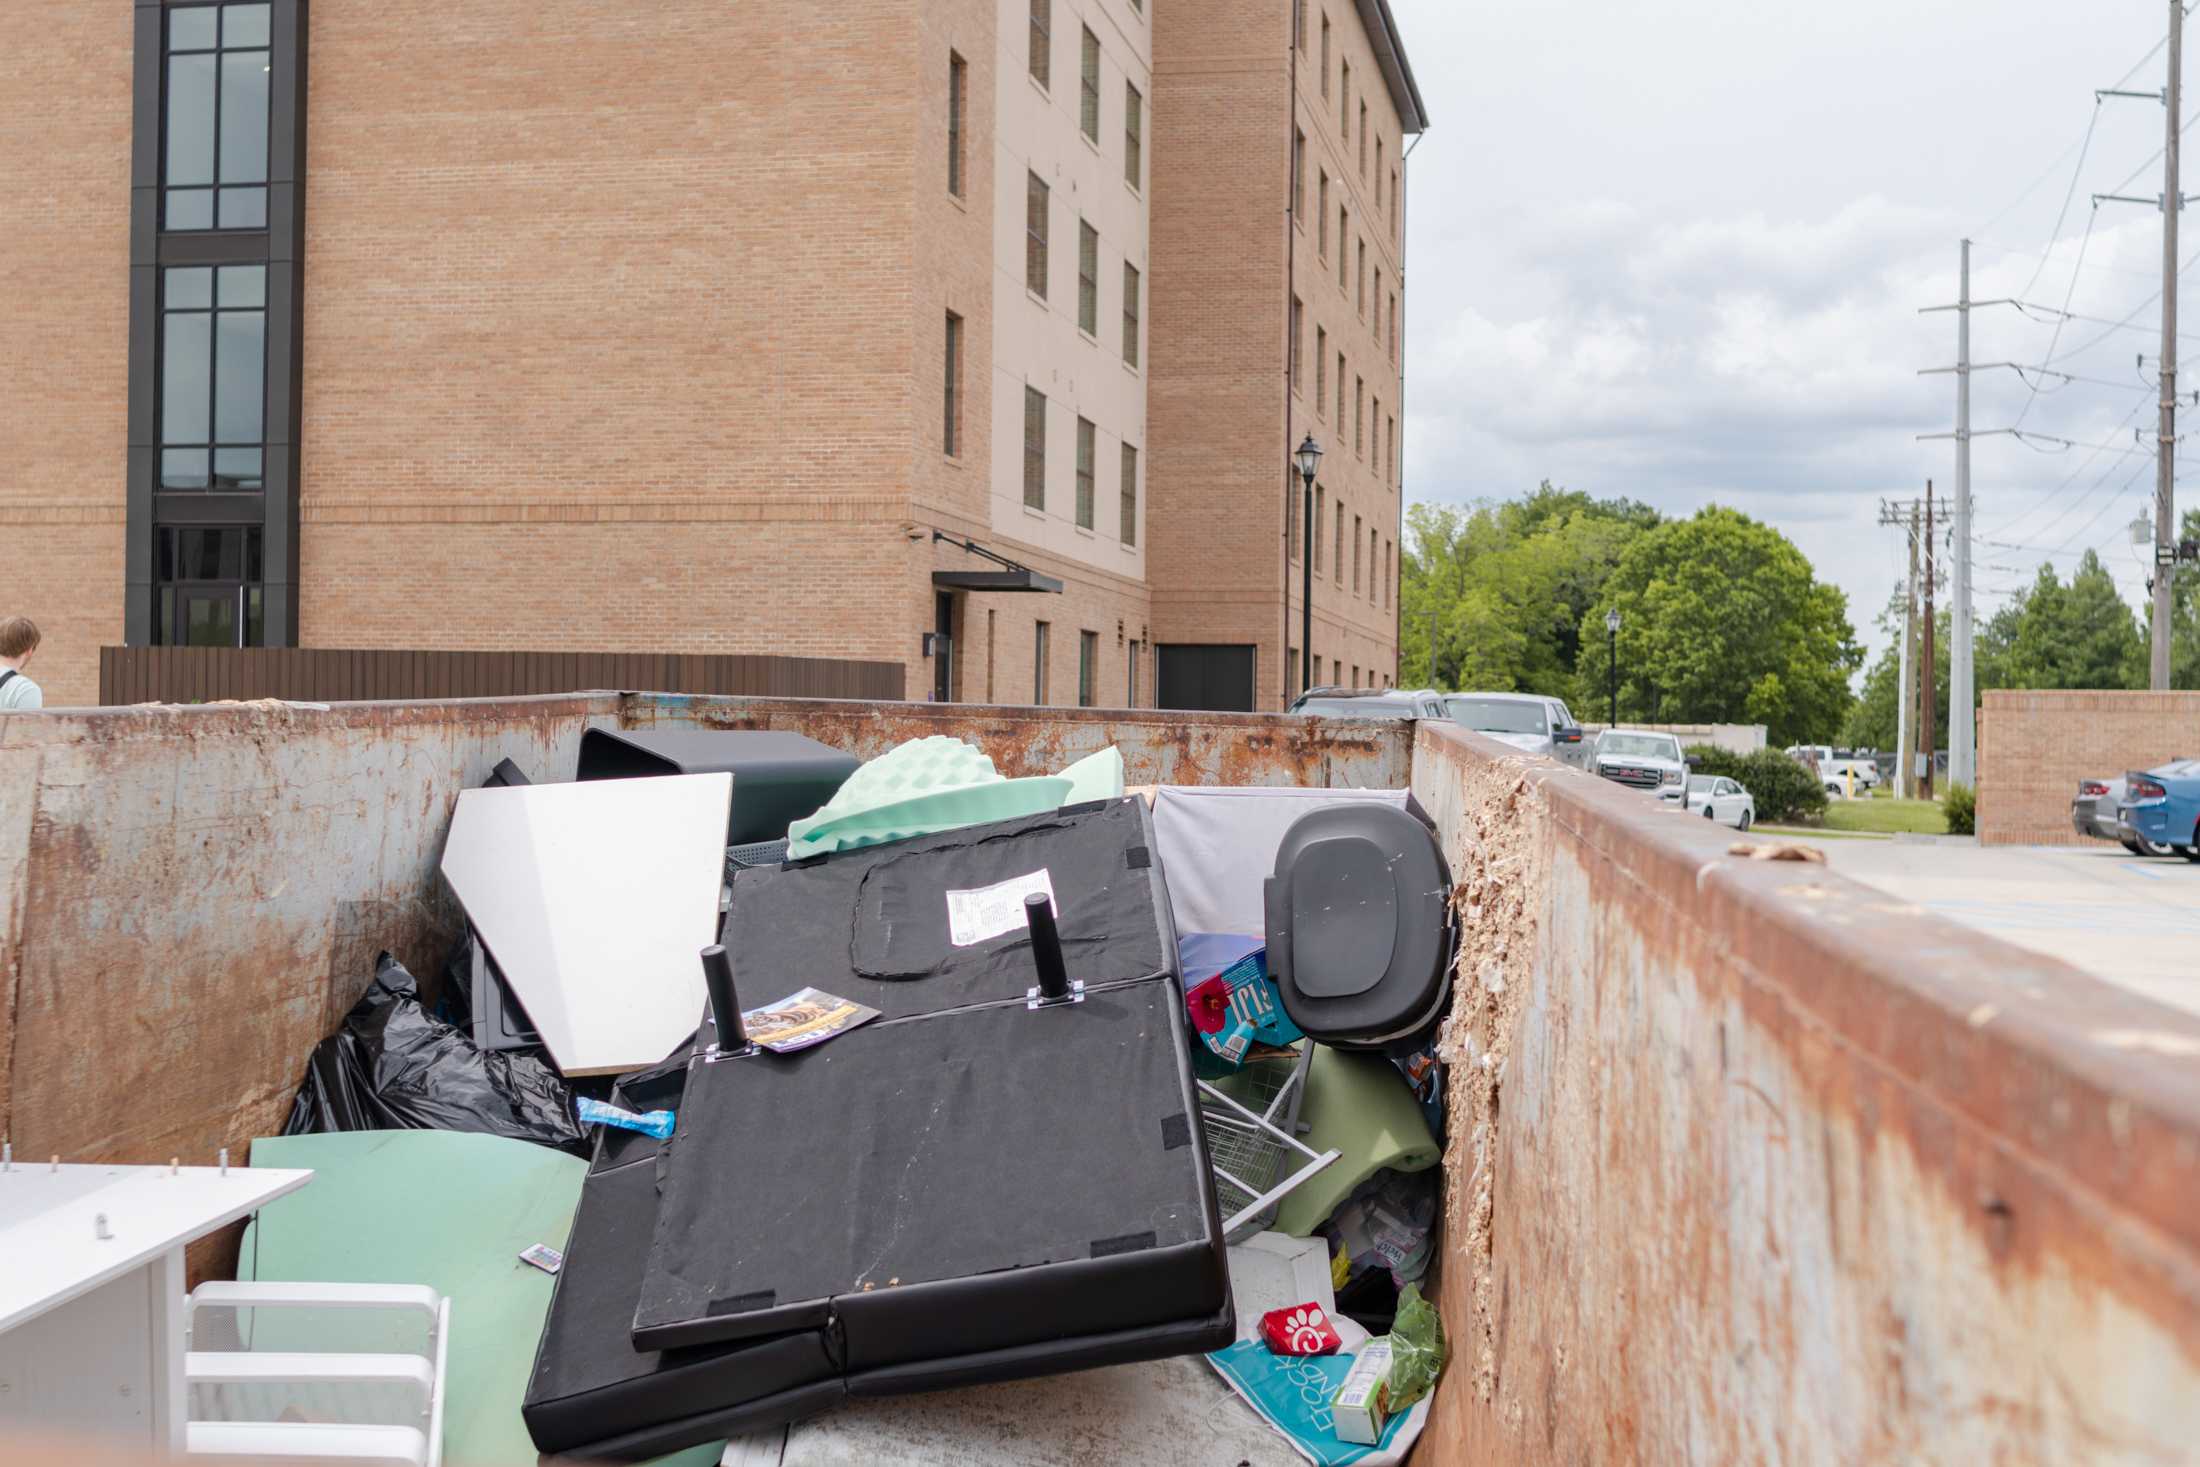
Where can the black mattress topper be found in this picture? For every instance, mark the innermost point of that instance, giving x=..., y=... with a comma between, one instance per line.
x=873, y=925
x=943, y=1185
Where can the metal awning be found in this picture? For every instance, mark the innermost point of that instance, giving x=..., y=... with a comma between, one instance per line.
x=1011, y=577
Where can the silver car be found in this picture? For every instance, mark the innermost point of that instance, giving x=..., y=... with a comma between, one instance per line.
x=1530, y=722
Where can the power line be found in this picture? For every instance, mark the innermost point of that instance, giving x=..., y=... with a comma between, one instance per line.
x=2078, y=147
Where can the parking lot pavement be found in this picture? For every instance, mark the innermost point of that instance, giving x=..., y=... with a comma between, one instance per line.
x=2128, y=919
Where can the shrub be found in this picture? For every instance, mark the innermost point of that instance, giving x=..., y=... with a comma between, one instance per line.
x=1960, y=807
x=1713, y=760
x=1785, y=790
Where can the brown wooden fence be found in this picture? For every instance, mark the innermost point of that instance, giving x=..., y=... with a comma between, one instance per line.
x=336, y=675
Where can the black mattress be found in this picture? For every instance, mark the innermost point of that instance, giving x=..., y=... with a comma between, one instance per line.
x=965, y=1190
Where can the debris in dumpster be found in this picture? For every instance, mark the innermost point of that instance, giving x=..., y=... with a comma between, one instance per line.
x=593, y=899
x=1095, y=777
x=1300, y=1329
x=1359, y=927
x=1232, y=1002
x=542, y=1256
x=1360, y=1106
x=1292, y=1393
x=1388, y=1223
x=393, y=1066
x=918, y=788
x=778, y=778
x=803, y=1018
x=1417, y=1350
x=656, y=1123
x=1361, y=1406
x=1219, y=844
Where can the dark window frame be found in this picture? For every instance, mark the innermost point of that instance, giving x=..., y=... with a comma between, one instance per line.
x=958, y=103
x=1133, y=318
x=951, y=429
x=1035, y=448
x=1088, y=85
x=1040, y=61
x=216, y=185
x=1127, y=528
x=1038, y=207
x=1088, y=668
x=1088, y=278
x=1088, y=454
x=1134, y=136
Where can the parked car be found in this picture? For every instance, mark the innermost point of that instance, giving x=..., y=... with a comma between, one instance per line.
x=1529, y=722
x=2162, y=807
x=1369, y=703
x=1715, y=797
x=2095, y=813
x=1641, y=760
x=1836, y=769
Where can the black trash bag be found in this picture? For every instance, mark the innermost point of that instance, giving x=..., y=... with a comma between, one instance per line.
x=393, y=1066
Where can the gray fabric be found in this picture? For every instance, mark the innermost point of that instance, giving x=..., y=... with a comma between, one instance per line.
x=1219, y=845
x=21, y=695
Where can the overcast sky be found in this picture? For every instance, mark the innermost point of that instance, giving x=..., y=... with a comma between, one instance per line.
x=1675, y=252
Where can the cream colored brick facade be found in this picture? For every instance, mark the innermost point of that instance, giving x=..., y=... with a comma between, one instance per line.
x=624, y=329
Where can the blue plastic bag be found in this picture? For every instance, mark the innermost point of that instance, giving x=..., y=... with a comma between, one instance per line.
x=1252, y=1011
x=1293, y=1392
x=656, y=1123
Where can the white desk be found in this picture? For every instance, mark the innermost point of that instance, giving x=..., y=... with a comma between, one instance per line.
x=91, y=1326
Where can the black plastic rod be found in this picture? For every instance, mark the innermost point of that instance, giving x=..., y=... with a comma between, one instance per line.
x=725, y=1009
x=1046, y=948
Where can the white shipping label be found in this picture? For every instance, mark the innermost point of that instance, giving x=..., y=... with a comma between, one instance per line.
x=989, y=911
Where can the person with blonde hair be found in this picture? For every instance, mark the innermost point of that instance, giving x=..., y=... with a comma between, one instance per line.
x=18, y=640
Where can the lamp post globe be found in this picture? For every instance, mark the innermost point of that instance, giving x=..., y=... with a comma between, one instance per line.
x=1611, y=665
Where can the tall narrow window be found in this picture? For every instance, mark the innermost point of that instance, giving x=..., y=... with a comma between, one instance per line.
x=1321, y=518
x=1359, y=414
x=1359, y=278
x=1298, y=344
x=1321, y=214
x=1088, y=83
x=1344, y=252
x=1344, y=99
x=1035, y=235
x=1391, y=459
x=1088, y=279
x=958, y=98
x=1298, y=24
x=1128, y=530
x=1339, y=542
x=1390, y=562
x=1363, y=139
x=1340, y=392
x=1378, y=297
x=1394, y=325
x=951, y=388
x=1394, y=216
x=1035, y=448
x=1375, y=427
x=1298, y=177
x=1378, y=175
x=1039, y=632
x=1130, y=313
x=1134, y=137
x=1294, y=490
x=213, y=377
x=215, y=168
x=1325, y=55
x=1042, y=43
x=1321, y=371
x=1088, y=659
x=1130, y=675
x=1372, y=540
x=1087, y=448
x=1355, y=555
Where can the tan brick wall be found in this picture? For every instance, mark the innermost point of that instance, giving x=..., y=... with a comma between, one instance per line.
x=64, y=330
x=1226, y=262
x=2034, y=747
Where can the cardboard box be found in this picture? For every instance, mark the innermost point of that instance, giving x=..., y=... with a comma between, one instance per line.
x=1362, y=1403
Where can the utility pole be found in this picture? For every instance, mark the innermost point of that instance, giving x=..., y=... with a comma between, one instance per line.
x=1960, y=721
x=1926, y=679
x=1904, y=517
x=2165, y=464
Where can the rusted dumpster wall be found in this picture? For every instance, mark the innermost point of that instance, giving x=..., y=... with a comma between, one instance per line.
x=191, y=897
x=1752, y=1163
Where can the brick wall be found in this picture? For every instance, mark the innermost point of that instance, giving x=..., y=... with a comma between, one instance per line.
x=2034, y=747
x=65, y=301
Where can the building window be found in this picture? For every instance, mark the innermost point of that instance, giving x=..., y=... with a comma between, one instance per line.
x=1344, y=99
x=1042, y=24
x=1293, y=489
x=1355, y=555
x=1339, y=542
x=1298, y=327
x=1325, y=55
x=1378, y=304
x=1390, y=550
x=1340, y=392
x=1321, y=215
x=958, y=98
x=1359, y=280
x=1035, y=236
x=216, y=126
x=951, y=388
x=1088, y=80
x=1359, y=415
x=1128, y=531
x=1130, y=313
x=1375, y=422
x=1363, y=141
x=1317, y=670
x=1088, y=279
x=1394, y=325
x=213, y=377
x=1321, y=371
x=1344, y=255
x=1035, y=448
x=1373, y=540
x=1393, y=203
x=1086, y=448
x=1130, y=676
x=209, y=587
x=1134, y=136
x=1390, y=462
x=1298, y=24
x=1378, y=175
x=1321, y=518
x=1298, y=177
x=1088, y=660
x=1039, y=632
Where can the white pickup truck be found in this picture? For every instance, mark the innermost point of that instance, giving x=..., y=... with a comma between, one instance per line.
x=1836, y=773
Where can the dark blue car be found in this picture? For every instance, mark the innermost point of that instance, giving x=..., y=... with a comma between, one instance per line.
x=2163, y=805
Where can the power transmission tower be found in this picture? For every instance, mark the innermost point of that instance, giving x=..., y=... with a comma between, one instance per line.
x=1926, y=678
x=2171, y=203
x=1904, y=517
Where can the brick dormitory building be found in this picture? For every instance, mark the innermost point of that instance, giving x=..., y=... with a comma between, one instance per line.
x=972, y=335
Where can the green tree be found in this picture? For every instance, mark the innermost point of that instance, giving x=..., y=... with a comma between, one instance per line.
x=2080, y=635
x=1723, y=621
x=1871, y=724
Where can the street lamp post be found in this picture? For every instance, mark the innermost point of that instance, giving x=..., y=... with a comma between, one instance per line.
x=1611, y=634
x=1309, y=456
